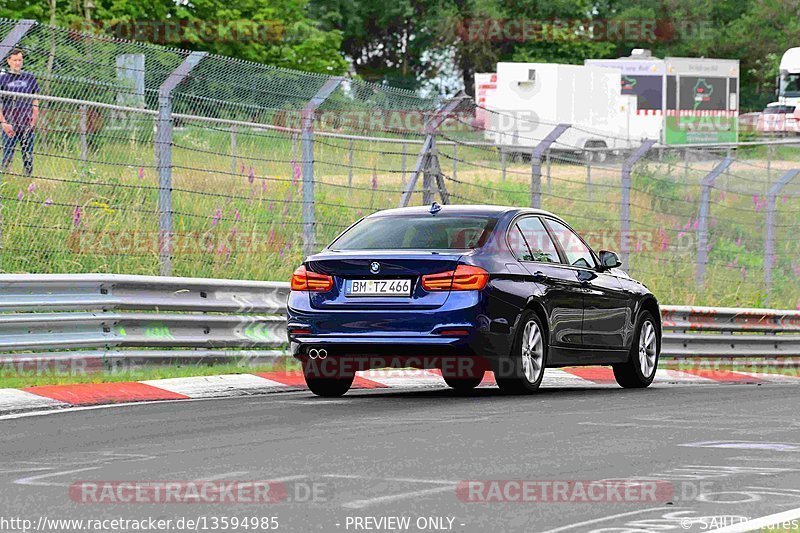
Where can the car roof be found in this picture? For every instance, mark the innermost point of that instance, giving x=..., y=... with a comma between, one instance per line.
x=458, y=209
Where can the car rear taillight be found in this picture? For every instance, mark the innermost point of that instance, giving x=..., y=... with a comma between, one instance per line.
x=463, y=278
x=306, y=280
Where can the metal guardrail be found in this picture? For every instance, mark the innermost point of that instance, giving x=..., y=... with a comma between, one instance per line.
x=729, y=332
x=103, y=312
x=158, y=319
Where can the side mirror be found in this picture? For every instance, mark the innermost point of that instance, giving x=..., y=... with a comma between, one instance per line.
x=608, y=260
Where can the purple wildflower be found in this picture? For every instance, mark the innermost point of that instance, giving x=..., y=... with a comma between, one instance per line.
x=20, y=195
x=251, y=175
x=76, y=216
x=216, y=217
x=48, y=202
x=236, y=215
x=141, y=172
x=32, y=187
x=297, y=173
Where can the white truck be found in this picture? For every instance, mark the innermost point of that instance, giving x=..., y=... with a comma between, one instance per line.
x=789, y=78
x=783, y=116
x=528, y=100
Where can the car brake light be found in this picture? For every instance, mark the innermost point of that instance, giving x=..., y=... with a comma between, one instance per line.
x=306, y=280
x=463, y=278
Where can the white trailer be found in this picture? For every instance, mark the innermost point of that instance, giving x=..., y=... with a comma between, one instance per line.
x=680, y=100
x=530, y=99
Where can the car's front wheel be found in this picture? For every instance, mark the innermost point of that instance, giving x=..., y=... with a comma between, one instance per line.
x=640, y=369
x=524, y=370
x=326, y=378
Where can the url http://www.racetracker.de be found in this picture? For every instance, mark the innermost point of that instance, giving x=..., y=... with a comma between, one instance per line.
x=198, y=523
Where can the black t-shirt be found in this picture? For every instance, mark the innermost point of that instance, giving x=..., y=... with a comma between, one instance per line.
x=18, y=111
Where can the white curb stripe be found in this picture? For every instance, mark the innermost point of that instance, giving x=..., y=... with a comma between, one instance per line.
x=215, y=386
x=773, y=378
x=555, y=377
x=404, y=378
x=676, y=376
x=15, y=399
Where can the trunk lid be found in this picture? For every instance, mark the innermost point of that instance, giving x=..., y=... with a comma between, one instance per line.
x=347, y=266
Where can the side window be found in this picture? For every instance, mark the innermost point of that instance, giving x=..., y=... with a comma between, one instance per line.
x=540, y=246
x=518, y=245
x=578, y=254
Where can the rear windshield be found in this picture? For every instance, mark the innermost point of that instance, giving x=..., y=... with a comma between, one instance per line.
x=416, y=232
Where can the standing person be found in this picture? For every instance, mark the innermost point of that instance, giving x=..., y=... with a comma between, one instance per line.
x=18, y=115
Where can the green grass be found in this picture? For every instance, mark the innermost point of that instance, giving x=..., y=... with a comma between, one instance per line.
x=234, y=223
x=10, y=378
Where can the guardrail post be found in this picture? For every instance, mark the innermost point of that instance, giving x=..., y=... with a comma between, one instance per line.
x=426, y=155
x=536, y=163
x=307, y=143
x=625, y=208
x=769, y=242
x=163, y=150
x=702, y=232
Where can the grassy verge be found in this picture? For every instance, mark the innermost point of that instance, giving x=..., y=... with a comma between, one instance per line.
x=14, y=380
x=241, y=217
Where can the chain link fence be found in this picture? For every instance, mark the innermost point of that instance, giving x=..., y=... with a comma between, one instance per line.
x=152, y=160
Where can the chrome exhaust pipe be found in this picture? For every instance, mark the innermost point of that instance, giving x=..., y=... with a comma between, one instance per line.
x=315, y=353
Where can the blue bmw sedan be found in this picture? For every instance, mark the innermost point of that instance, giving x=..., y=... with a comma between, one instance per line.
x=468, y=289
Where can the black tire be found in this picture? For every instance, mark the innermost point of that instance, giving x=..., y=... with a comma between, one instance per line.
x=631, y=374
x=464, y=383
x=511, y=374
x=327, y=381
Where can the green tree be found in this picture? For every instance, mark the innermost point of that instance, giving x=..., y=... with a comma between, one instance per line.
x=277, y=32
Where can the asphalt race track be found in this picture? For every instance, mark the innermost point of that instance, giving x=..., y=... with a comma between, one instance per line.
x=726, y=453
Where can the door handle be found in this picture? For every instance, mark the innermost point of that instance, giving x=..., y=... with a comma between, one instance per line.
x=539, y=276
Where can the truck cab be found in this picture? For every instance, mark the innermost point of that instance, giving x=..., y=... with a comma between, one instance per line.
x=789, y=78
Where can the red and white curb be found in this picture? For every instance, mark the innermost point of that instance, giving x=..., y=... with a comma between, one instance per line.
x=41, y=398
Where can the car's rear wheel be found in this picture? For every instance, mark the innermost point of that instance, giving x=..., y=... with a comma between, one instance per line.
x=525, y=369
x=640, y=369
x=326, y=378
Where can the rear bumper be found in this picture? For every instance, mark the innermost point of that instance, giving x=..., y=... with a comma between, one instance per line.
x=396, y=338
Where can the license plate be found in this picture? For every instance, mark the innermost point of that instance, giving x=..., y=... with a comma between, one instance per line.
x=379, y=287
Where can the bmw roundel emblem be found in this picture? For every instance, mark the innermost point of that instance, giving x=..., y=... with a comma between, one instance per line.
x=375, y=267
